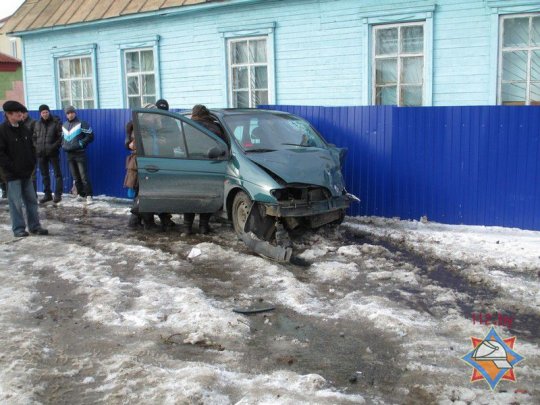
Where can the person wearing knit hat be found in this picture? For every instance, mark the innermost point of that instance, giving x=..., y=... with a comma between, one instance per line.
x=162, y=104
x=18, y=160
x=47, y=140
x=76, y=136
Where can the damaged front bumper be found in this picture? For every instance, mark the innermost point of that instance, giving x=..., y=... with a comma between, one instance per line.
x=278, y=253
x=308, y=208
x=265, y=220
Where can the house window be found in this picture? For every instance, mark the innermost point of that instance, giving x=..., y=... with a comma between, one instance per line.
x=13, y=44
x=519, y=60
x=398, y=64
x=76, y=82
x=140, y=77
x=248, y=72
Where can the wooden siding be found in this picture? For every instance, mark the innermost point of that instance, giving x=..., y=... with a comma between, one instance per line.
x=320, y=57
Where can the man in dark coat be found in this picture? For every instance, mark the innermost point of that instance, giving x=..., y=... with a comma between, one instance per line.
x=3, y=184
x=48, y=139
x=18, y=160
x=76, y=136
x=30, y=123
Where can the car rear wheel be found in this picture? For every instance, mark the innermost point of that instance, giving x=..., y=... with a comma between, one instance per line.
x=240, y=211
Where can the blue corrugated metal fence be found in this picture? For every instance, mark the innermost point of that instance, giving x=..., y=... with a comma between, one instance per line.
x=470, y=165
x=457, y=165
x=106, y=155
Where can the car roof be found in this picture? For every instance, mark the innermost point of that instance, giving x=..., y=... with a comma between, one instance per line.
x=223, y=112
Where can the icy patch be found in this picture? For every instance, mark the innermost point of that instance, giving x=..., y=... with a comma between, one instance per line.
x=314, y=253
x=21, y=344
x=398, y=275
x=349, y=250
x=486, y=246
x=457, y=395
x=334, y=271
x=182, y=310
x=185, y=382
x=382, y=312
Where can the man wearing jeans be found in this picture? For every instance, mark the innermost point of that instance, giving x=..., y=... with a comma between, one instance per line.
x=18, y=160
x=76, y=135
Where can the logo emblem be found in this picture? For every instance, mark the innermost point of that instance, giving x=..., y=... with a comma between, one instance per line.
x=493, y=359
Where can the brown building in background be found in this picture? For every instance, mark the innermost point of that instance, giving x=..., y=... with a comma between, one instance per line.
x=11, y=73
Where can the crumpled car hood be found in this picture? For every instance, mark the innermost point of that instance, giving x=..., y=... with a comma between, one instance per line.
x=307, y=165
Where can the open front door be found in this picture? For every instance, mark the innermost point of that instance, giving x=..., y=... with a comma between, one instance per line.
x=181, y=165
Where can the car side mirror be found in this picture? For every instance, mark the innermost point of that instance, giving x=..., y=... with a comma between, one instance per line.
x=216, y=152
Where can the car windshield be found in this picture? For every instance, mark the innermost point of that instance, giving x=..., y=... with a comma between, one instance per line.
x=266, y=132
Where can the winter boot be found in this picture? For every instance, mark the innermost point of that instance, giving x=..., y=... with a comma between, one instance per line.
x=166, y=222
x=148, y=222
x=188, y=223
x=204, y=226
x=134, y=221
x=57, y=198
x=46, y=198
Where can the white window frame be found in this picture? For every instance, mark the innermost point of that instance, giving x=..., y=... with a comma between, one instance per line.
x=250, y=31
x=499, y=8
x=70, y=80
x=82, y=51
x=529, y=49
x=371, y=14
x=144, y=43
x=248, y=65
x=399, y=56
x=138, y=74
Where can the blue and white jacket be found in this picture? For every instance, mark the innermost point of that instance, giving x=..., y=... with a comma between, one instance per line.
x=76, y=135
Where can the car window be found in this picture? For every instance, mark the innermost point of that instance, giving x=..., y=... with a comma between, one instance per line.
x=273, y=132
x=198, y=143
x=161, y=136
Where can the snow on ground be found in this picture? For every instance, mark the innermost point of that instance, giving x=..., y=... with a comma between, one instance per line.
x=488, y=246
x=125, y=316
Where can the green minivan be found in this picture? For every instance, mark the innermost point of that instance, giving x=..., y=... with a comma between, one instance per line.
x=269, y=173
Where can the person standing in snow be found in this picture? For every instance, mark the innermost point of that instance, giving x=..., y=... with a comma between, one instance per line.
x=76, y=136
x=48, y=139
x=18, y=161
x=131, y=182
x=30, y=123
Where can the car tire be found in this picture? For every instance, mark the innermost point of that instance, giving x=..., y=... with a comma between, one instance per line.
x=240, y=211
x=341, y=218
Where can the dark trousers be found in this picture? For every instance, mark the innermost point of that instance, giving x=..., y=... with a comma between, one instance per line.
x=203, y=218
x=78, y=169
x=45, y=175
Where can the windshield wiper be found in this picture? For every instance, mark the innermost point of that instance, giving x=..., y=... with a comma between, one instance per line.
x=260, y=150
x=298, y=144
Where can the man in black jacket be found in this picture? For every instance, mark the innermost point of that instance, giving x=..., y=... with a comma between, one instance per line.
x=48, y=139
x=18, y=160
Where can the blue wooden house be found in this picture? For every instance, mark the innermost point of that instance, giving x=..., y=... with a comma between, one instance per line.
x=240, y=53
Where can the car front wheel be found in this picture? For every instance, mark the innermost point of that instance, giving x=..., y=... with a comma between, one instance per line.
x=240, y=211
